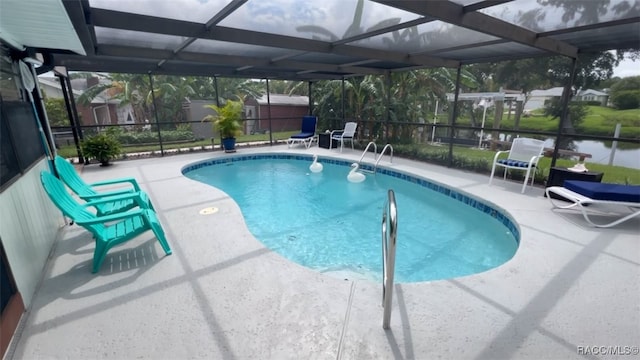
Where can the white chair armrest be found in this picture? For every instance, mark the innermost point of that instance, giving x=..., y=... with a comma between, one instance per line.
x=336, y=131
x=495, y=158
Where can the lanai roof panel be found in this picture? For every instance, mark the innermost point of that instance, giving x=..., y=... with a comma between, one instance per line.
x=549, y=15
x=327, y=20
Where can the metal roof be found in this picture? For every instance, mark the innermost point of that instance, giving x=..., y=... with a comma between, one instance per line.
x=329, y=39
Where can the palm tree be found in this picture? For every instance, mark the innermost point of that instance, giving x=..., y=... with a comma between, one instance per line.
x=321, y=33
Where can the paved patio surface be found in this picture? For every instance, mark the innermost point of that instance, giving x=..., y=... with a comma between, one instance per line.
x=223, y=295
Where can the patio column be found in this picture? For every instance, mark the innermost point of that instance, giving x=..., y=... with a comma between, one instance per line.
x=213, y=143
x=155, y=112
x=269, y=115
x=454, y=115
x=566, y=97
x=215, y=84
x=73, y=120
x=387, y=78
x=310, y=97
x=343, y=104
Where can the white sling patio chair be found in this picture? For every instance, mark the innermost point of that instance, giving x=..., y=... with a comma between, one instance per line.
x=524, y=155
x=348, y=133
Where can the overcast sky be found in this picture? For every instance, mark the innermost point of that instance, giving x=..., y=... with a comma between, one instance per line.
x=627, y=68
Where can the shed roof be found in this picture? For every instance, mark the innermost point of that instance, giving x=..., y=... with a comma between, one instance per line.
x=554, y=91
x=283, y=99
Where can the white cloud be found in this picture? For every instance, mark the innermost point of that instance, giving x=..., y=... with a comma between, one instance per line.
x=627, y=68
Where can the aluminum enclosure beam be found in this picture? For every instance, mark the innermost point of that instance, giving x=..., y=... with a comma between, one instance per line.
x=455, y=14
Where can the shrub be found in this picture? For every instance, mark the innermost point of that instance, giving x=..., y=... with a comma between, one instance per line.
x=101, y=147
x=626, y=99
x=625, y=93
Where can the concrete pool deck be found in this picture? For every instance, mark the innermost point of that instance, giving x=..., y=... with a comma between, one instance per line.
x=223, y=295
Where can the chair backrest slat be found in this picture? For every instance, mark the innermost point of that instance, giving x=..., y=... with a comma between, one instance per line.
x=523, y=149
x=349, y=129
x=59, y=195
x=70, y=176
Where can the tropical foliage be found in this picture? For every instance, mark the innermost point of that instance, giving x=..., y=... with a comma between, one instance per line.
x=227, y=119
x=56, y=112
x=102, y=147
x=168, y=94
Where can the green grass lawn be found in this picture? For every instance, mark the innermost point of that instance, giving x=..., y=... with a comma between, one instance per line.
x=600, y=120
x=612, y=174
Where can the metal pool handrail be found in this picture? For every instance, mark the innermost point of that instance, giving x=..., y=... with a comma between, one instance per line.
x=375, y=151
x=388, y=146
x=389, y=232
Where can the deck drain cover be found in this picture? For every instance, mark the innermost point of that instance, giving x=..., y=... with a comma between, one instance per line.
x=209, y=211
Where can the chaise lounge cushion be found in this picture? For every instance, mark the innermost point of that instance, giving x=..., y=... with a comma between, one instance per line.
x=302, y=135
x=516, y=163
x=603, y=191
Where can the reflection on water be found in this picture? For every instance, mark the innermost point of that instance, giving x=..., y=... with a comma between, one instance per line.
x=600, y=153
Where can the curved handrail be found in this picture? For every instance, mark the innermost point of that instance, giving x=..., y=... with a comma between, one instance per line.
x=388, y=146
x=375, y=151
x=389, y=233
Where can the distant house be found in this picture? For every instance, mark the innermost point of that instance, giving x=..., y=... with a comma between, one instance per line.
x=538, y=98
x=286, y=113
x=103, y=109
x=593, y=95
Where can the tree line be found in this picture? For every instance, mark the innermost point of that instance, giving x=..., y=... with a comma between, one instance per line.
x=411, y=96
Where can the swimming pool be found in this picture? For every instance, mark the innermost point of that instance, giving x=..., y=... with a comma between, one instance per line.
x=324, y=222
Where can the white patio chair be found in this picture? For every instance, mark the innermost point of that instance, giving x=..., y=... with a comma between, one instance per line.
x=348, y=133
x=524, y=155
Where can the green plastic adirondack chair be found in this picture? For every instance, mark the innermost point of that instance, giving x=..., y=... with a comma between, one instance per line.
x=121, y=227
x=85, y=191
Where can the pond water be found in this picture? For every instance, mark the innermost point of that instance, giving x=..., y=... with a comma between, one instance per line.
x=600, y=153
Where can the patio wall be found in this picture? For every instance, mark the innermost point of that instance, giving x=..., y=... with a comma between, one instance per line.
x=29, y=224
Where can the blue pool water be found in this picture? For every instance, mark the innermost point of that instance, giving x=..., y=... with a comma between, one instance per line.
x=324, y=222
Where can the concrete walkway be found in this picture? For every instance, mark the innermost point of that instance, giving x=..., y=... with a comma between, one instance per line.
x=223, y=295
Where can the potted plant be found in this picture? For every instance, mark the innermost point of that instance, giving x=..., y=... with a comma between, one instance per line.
x=102, y=147
x=227, y=121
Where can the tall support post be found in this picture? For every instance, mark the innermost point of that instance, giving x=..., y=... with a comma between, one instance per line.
x=310, y=97
x=566, y=97
x=72, y=120
x=387, y=78
x=344, y=103
x=75, y=116
x=215, y=85
x=155, y=112
x=454, y=115
x=269, y=115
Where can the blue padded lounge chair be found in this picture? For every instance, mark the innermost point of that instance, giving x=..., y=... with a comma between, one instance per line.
x=593, y=198
x=307, y=133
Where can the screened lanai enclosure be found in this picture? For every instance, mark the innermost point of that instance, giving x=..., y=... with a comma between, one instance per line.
x=447, y=82
x=442, y=81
